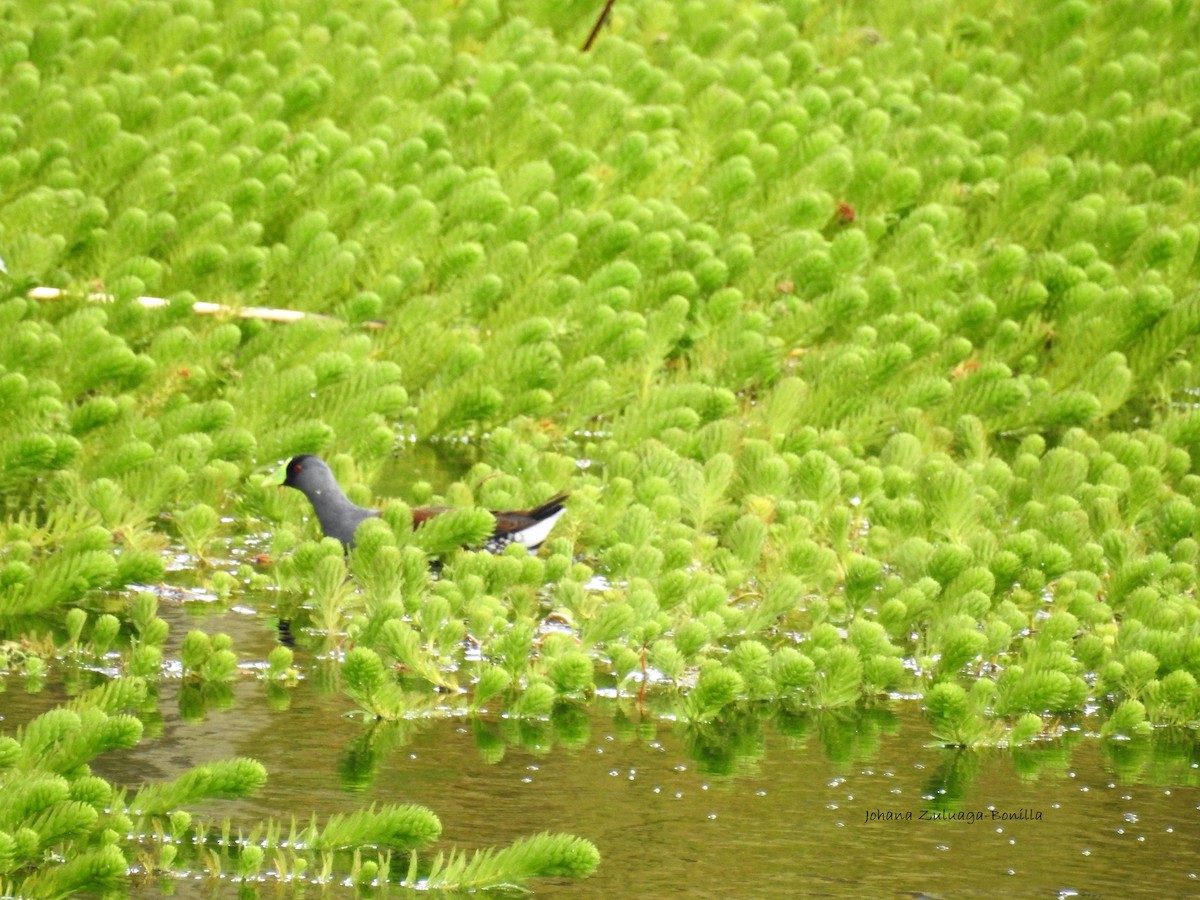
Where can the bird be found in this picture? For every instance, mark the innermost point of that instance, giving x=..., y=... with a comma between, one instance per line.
x=340, y=516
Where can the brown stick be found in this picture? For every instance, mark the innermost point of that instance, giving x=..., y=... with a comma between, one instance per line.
x=591, y=39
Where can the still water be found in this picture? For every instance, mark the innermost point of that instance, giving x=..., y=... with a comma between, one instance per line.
x=785, y=806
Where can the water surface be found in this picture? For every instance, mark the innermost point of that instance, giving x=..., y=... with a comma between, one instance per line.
x=752, y=807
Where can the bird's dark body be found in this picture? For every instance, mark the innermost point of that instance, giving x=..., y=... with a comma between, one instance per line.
x=340, y=517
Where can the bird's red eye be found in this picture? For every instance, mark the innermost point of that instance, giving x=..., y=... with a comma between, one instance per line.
x=297, y=467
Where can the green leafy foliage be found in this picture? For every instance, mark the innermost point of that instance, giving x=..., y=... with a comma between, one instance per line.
x=542, y=855
x=864, y=339
x=399, y=826
x=66, y=821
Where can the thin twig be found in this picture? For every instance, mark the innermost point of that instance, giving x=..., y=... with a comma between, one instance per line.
x=200, y=307
x=587, y=45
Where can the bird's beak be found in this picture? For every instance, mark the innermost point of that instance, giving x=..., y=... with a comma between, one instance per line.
x=276, y=478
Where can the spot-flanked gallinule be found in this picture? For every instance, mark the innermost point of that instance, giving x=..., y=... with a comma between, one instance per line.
x=339, y=516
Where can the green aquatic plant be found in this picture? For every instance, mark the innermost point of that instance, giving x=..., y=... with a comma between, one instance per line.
x=197, y=526
x=864, y=339
x=368, y=684
x=54, y=805
x=208, y=658
x=543, y=855
x=958, y=716
x=280, y=665
x=145, y=658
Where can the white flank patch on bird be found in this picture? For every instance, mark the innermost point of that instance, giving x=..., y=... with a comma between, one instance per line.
x=536, y=533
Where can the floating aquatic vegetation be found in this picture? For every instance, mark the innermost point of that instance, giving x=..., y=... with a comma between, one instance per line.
x=875, y=328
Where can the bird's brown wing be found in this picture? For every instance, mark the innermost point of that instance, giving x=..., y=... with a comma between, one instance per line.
x=507, y=520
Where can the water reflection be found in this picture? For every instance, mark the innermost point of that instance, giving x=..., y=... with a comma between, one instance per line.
x=440, y=463
x=951, y=783
x=758, y=803
x=1172, y=758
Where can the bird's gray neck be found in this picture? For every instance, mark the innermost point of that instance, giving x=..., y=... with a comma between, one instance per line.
x=338, y=515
